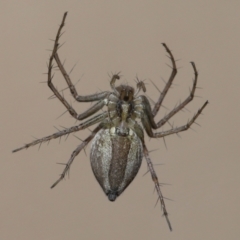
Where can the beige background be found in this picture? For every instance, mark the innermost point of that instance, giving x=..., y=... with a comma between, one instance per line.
x=202, y=167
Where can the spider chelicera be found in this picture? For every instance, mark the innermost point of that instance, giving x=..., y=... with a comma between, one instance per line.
x=118, y=140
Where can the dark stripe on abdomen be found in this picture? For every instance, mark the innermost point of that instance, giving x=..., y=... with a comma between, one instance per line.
x=120, y=150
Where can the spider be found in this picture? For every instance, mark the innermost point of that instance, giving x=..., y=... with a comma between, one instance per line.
x=118, y=144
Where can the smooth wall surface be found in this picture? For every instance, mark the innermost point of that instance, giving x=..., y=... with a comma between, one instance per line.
x=201, y=168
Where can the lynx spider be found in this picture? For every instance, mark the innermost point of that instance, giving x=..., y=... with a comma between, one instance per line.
x=124, y=107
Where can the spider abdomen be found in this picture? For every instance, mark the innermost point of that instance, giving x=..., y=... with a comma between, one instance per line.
x=115, y=160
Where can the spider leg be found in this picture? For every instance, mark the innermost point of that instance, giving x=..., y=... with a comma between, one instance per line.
x=184, y=103
x=96, y=107
x=88, y=98
x=157, y=185
x=148, y=115
x=150, y=133
x=50, y=67
x=169, y=83
x=75, y=153
x=67, y=131
x=93, y=97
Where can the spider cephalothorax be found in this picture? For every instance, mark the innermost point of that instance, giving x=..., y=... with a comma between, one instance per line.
x=118, y=141
x=125, y=98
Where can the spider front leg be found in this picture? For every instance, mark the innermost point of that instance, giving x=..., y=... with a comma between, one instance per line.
x=148, y=117
x=75, y=153
x=89, y=98
x=169, y=83
x=157, y=185
x=50, y=67
x=167, y=87
x=184, y=103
